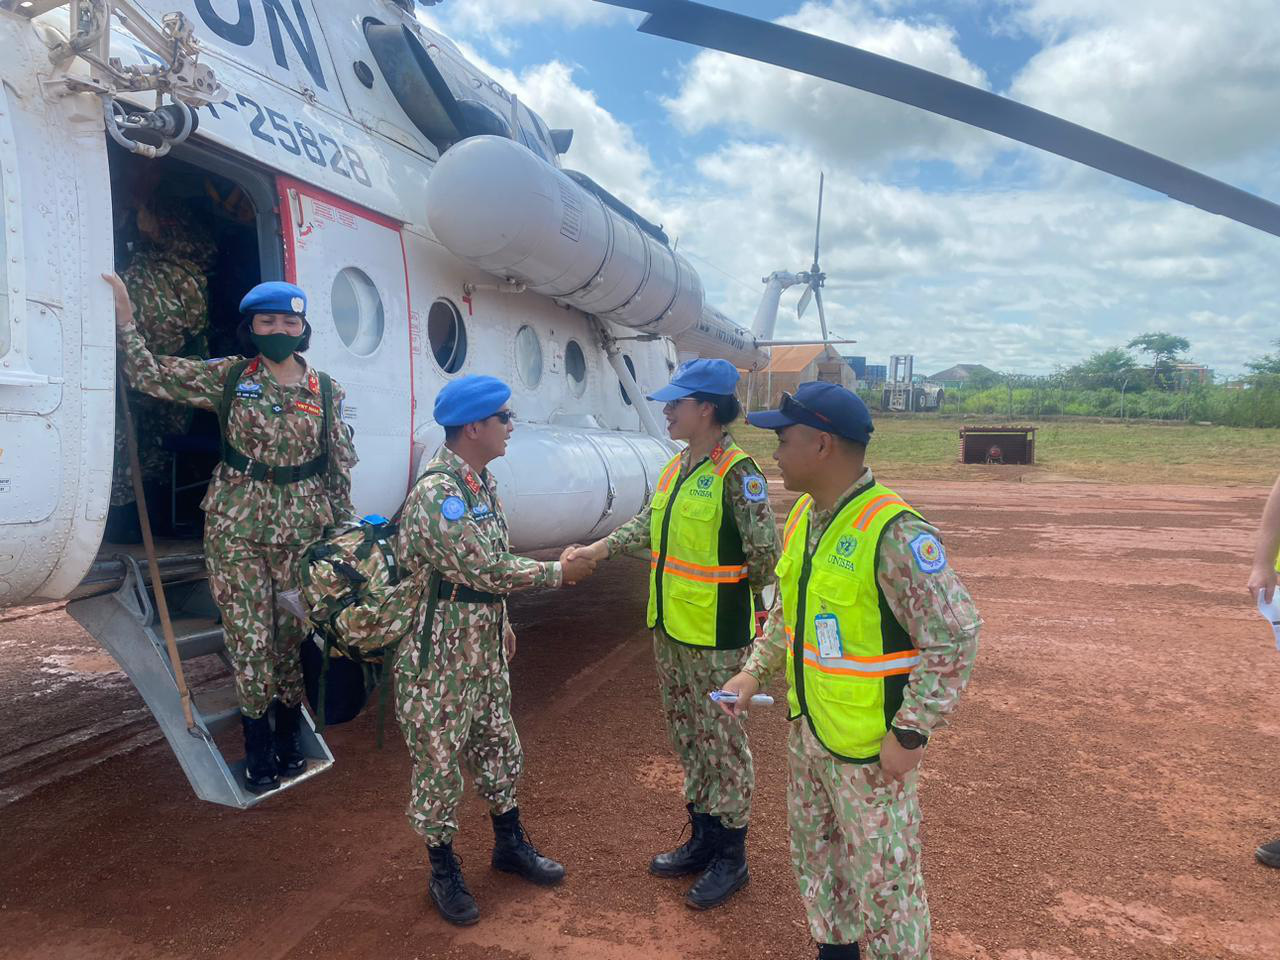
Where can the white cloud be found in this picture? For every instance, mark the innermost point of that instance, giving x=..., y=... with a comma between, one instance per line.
x=1183, y=79
x=743, y=96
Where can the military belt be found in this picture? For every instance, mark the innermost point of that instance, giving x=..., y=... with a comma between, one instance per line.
x=459, y=593
x=258, y=470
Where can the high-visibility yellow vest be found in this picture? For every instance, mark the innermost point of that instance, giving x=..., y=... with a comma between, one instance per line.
x=699, y=592
x=848, y=689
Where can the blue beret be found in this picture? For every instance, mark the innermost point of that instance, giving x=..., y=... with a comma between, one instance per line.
x=469, y=399
x=824, y=406
x=699, y=376
x=275, y=296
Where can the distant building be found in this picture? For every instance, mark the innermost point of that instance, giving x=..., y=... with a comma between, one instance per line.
x=876, y=373
x=859, y=365
x=957, y=376
x=1192, y=373
x=791, y=366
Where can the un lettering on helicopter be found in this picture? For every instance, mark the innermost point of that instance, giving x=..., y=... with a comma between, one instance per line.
x=355, y=152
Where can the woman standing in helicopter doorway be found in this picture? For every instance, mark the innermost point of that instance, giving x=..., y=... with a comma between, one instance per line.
x=713, y=544
x=285, y=474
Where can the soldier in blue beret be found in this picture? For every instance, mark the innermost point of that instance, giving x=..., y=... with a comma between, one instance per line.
x=285, y=475
x=713, y=541
x=453, y=692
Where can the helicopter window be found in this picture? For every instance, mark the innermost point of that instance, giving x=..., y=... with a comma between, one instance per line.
x=575, y=368
x=631, y=369
x=447, y=335
x=529, y=356
x=357, y=311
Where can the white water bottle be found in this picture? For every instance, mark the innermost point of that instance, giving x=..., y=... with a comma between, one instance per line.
x=1271, y=611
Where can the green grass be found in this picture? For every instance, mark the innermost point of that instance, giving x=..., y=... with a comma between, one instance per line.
x=912, y=447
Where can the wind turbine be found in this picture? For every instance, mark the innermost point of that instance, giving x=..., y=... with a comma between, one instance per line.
x=815, y=278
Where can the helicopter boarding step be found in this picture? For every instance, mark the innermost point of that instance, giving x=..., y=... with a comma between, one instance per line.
x=126, y=624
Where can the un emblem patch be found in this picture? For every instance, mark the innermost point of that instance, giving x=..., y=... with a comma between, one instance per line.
x=704, y=482
x=846, y=546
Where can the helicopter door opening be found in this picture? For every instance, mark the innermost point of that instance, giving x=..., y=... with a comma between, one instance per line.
x=189, y=241
x=351, y=262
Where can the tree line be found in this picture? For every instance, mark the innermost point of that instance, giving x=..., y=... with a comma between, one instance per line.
x=1115, y=384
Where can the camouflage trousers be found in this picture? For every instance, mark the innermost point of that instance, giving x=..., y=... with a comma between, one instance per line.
x=262, y=639
x=710, y=745
x=454, y=704
x=855, y=848
x=152, y=421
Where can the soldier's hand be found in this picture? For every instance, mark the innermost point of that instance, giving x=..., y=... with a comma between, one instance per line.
x=595, y=552
x=896, y=760
x=745, y=686
x=509, y=642
x=575, y=567
x=1263, y=579
x=124, y=306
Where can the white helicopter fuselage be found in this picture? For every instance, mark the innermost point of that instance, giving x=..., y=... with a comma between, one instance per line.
x=341, y=174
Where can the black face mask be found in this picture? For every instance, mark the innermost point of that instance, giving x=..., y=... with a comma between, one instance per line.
x=276, y=347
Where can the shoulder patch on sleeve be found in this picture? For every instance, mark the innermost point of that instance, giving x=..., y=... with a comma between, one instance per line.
x=755, y=488
x=929, y=554
x=453, y=508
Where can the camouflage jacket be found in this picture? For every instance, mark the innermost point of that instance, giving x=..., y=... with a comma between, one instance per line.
x=171, y=293
x=275, y=424
x=463, y=534
x=754, y=518
x=934, y=608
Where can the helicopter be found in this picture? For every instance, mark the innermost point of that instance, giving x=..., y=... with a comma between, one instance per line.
x=431, y=217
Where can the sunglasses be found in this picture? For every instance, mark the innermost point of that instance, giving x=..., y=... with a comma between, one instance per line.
x=790, y=405
x=505, y=416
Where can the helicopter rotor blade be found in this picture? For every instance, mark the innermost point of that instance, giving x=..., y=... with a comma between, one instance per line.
x=744, y=36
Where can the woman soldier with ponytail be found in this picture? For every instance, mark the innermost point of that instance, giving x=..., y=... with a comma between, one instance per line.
x=712, y=543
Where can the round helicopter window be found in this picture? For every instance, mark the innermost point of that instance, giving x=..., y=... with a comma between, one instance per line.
x=357, y=311
x=529, y=356
x=575, y=368
x=447, y=335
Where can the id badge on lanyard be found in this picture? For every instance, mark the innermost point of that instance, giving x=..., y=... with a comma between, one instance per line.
x=826, y=628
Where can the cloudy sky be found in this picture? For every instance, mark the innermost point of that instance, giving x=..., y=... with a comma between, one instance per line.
x=938, y=240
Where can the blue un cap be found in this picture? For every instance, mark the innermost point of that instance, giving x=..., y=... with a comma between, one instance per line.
x=469, y=399
x=699, y=376
x=275, y=296
x=824, y=406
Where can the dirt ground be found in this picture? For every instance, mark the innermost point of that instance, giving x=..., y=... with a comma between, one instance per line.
x=1099, y=794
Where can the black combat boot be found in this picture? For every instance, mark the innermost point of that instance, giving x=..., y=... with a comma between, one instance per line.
x=694, y=854
x=448, y=890
x=838, y=951
x=727, y=872
x=513, y=853
x=290, y=760
x=1268, y=854
x=259, y=758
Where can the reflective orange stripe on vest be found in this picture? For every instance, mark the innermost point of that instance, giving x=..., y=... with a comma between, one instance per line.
x=887, y=665
x=733, y=573
x=798, y=511
x=669, y=474
x=875, y=506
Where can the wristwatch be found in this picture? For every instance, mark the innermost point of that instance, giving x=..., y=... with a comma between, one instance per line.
x=910, y=739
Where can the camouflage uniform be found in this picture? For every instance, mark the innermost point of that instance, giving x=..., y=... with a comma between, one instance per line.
x=255, y=530
x=855, y=835
x=453, y=698
x=710, y=745
x=169, y=286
